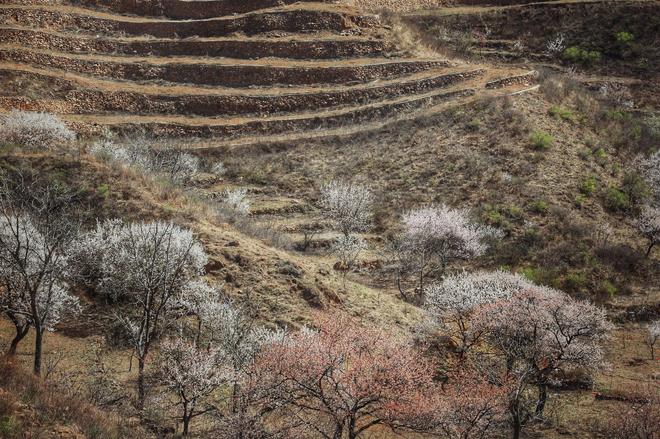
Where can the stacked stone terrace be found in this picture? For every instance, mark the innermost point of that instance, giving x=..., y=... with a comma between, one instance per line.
x=219, y=68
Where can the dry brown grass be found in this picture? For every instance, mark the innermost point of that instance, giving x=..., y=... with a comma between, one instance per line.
x=30, y=408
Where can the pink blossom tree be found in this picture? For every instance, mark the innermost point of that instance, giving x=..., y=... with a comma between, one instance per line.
x=344, y=379
x=431, y=238
x=468, y=406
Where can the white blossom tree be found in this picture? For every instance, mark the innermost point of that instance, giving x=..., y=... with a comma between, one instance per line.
x=147, y=267
x=539, y=332
x=235, y=202
x=348, y=249
x=431, y=238
x=34, y=130
x=648, y=224
x=235, y=334
x=34, y=262
x=653, y=337
x=650, y=170
x=347, y=206
x=201, y=300
x=452, y=302
x=192, y=374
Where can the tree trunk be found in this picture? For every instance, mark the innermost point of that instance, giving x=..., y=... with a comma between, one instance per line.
x=198, y=337
x=140, y=383
x=21, y=332
x=339, y=432
x=516, y=427
x=650, y=247
x=420, y=296
x=516, y=423
x=186, y=420
x=352, y=434
x=543, y=397
x=38, y=346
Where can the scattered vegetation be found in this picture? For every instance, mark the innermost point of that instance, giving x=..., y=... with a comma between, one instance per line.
x=541, y=141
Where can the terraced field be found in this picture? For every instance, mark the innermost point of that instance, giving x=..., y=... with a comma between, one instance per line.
x=221, y=69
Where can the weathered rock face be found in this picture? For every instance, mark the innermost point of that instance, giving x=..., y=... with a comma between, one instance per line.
x=218, y=68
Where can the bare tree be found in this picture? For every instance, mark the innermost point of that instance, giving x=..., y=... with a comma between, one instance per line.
x=348, y=249
x=431, y=238
x=34, y=237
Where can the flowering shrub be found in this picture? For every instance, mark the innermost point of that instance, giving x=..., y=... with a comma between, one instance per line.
x=177, y=165
x=192, y=374
x=236, y=202
x=36, y=131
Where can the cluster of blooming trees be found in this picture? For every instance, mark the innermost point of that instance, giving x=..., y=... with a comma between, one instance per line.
x=342, y=379
x=533, y=332
x=430, y=237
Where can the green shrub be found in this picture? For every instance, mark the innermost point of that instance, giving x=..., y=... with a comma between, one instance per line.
x=624, y=37
x=514, y=212
x=103, y=190
x=562, y=113
x=600, y=154
x=589, y=186
x=576, y=54
x=539, y=206
x=579, y=200
x=540, y=276
x=608, y=288
x=8, y=427
x=494, y=217
x=619, y=115
x=575, y=281
x=474, y=124
x=617, y=200
x=635, y=186
x=541, y=140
